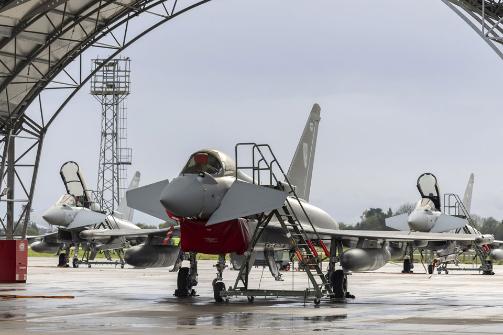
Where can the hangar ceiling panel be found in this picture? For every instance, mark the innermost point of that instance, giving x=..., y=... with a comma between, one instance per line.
x=38, y=38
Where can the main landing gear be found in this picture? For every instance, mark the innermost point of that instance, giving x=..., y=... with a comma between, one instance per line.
x=64, y=257
x=408, y=261
x=75, y=261
x=187, y=279
x=339, y=282
x=218, y=284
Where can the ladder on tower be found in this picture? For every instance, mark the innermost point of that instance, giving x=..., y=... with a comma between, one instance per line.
x=302, y=243
x=455, y=207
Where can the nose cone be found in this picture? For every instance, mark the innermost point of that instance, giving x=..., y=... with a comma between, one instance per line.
x=57, y=216
x=184, y=196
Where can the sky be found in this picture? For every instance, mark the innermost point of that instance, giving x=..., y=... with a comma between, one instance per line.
x=405, y=87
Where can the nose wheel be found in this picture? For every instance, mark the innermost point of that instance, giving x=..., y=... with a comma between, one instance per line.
x=184, y=289
x=218, y=288
x=218, y=284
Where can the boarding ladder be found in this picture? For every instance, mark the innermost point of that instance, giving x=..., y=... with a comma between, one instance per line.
x=455, y=207
x=303, y=237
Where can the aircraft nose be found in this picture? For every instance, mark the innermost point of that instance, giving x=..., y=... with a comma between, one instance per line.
x=184, y=196
x=56, y=217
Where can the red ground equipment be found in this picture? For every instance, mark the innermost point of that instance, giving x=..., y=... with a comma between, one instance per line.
x=13, y=261
x=221, y=238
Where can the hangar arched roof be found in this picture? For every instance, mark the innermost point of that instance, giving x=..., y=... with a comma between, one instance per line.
x=39, y=38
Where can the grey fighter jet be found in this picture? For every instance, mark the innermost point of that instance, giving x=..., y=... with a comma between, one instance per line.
x=81, y=223
x=427, y=216
x=218, y=208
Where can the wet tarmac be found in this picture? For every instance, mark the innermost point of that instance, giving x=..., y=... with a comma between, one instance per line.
x=110, y=300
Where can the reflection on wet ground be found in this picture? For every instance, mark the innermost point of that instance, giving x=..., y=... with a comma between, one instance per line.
x=121, y=301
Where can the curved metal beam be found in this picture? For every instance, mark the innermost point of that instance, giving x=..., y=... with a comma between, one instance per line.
x=25, y=122
x=57, y=32
x=114, y=54
x=482, y=16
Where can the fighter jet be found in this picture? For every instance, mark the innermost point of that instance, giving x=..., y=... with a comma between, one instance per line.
x=81, y=223
x=219, y=209
x=427, y=216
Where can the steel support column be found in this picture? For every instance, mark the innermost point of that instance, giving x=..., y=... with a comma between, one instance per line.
x=11, y=158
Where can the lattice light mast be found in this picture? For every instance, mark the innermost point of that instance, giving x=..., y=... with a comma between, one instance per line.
x=111, y=85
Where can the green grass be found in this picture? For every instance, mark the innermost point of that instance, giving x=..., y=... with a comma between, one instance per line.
x=32, y=253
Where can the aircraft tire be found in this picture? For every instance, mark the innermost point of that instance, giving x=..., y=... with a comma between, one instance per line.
x=75, y=263
x=430, y=269
x=339, y=282
x=218, y=287
x=62, y=260
x=183, y=283
x=489, y=271
x=407, y=266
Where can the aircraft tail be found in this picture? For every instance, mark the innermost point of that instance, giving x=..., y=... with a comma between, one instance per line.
x=124, y=211
x=301, y=167
x=467, y=198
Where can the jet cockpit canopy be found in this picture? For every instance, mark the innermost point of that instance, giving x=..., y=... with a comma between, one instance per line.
x=212, y=162
x=428, y=188
x=75, y=185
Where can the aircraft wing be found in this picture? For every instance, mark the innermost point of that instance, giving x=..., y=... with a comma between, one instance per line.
x=146, y=199
x=48, y=236
x=94, y=233
x=397, y=235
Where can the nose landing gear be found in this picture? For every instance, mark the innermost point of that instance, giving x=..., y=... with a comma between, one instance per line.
x=218, y=284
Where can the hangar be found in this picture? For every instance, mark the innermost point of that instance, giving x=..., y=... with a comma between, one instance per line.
x=43, y=46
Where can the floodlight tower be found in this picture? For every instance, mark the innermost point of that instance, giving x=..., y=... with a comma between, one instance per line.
x=110, y=85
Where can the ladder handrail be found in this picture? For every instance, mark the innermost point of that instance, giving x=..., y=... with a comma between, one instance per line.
x=460, y=205
x=257, y=147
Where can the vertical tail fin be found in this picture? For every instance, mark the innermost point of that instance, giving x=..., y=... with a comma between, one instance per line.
x=125, y=212
x=467, y=198
x=301, y=168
